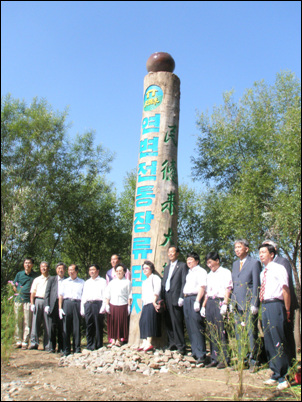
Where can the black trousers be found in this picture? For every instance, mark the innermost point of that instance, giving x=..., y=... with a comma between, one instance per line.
x=275, y=342
x=94, y=324
x=196, y=328
x=217, y=332
x=251, y=322
x=56, y=329
x=174, y=318
x=71, y=325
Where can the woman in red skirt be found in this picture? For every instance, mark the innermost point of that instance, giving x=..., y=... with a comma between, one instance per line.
x=118, y=302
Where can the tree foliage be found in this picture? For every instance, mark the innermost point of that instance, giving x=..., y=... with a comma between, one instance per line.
x=54, y=196
x=249, y=154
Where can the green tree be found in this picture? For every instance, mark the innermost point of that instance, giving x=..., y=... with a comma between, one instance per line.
x=249, y=153
x=45, y=179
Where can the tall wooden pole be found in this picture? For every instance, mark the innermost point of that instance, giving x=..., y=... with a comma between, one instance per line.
x=156, y=197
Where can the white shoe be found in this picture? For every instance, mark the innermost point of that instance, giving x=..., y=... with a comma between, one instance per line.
x=270, y=382
x=283, y=385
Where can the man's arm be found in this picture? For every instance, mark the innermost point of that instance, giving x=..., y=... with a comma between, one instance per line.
x=286, y=296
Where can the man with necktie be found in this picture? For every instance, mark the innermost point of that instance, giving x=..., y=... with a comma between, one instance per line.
x=293, y=303
x=245, y=297
x=52, y=308
x=172, y=290
x=275, y=299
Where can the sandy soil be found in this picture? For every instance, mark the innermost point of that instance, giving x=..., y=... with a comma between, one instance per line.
x=35, y=375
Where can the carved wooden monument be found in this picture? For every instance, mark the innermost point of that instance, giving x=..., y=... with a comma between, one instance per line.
x=156, y=196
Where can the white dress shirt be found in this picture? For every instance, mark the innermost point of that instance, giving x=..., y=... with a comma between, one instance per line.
x=171, y=270
x=118, y=291
x=276, y=278
x=196, y=277
x=39, y=286
x=72, y=288
x=94, y=289
x=218, y=282
x=150, y=287
x=60, y=281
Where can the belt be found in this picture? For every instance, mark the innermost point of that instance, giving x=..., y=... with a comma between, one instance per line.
x=215, y=298
x=93, y=301
x=42, y=298
x=272, y=301
x=73, y=300
x=190, y=294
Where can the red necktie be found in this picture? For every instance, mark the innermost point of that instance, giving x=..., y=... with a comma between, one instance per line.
x=262, y=289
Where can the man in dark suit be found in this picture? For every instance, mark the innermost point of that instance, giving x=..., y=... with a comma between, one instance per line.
x=172, y=290
x=294, y=301
x=245, y=297
x=52, y=308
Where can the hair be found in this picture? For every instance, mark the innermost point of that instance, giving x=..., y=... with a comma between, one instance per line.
x=44, y=262
x=194, y=255
x=118, y=256
x=242, y=241
x=176, y=248
x=213, y=255
x=95, y=266
x=150, y=264
x=76, y=268
x=29, y=258
x=271, y=243
x=61, y=263
x=270, y=248
x=119, y=264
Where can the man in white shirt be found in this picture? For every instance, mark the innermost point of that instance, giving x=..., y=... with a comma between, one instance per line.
x=194, y=290
x=52, y=308
x=93, y=308
x=69, y=309
x=37, y=295
x=275, y=298
x=219, y=287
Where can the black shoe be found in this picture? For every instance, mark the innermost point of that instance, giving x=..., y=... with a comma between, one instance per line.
x=33, y=347
x=51, y=351
x=221, y=365
x=172, y=347
x=181, y=351
x=200, y=362
x=212, y=364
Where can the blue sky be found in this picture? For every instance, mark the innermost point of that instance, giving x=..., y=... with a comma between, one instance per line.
x=91, y=56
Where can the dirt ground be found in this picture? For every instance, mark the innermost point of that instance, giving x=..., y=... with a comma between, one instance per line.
x=34, y=375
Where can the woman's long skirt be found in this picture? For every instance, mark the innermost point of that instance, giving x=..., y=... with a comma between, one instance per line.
x=118, y=324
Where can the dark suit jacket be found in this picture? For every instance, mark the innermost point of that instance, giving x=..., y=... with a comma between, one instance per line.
x=177, y=282
x=293, y=298
x=51, y=293
x=246, y=283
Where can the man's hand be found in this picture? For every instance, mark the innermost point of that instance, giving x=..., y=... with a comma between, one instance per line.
x=46, y=309
x=196, y=306
x=254, y=310
x=61, y=313
x=180, y=302
x=33, y=308
x=223, y=309
x=203, y=311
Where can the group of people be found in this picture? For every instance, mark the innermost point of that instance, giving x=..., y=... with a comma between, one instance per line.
x=193, y=299
x=58, y=302
x=198, y=298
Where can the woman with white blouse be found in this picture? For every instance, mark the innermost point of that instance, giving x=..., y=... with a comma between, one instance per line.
x=118, y=303
x=149, y=323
